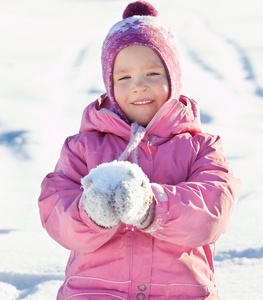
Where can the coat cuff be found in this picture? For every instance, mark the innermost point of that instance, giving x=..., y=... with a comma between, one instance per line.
x=158, y=207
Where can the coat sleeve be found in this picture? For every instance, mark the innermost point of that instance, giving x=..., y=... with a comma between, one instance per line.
x=198, y=211
x=61, y=216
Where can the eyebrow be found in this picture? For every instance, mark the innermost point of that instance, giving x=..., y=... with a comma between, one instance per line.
x=121, y=71
x=146, y=66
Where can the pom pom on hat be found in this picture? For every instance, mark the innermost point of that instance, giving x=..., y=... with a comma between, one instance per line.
x=139, y=8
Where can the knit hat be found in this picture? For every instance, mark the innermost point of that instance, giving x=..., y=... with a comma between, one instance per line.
x=141, y=26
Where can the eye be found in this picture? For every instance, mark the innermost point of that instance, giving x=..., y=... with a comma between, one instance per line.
x=153, y=74
x=124, y=78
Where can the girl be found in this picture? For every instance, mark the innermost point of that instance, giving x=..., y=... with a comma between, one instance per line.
x=140, y=195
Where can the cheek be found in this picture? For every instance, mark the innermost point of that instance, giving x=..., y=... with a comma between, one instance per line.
x=118, y=92
x=120, y=95
x=164, y=93
x=166, y=89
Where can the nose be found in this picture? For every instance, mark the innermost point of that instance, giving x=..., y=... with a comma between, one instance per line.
x=140, y=85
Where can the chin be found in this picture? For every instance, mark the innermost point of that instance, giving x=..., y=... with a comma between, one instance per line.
x=143, y=123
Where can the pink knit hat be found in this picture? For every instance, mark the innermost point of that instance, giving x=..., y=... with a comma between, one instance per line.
x=141, y=26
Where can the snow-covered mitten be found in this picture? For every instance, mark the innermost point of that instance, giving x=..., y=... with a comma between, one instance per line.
x=97, y=196
x=117, y=191
x=133, y=197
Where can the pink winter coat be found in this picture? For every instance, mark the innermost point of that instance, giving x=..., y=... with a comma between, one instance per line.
x=195, y=193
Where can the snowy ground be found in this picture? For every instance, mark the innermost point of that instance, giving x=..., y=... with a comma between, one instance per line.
x=50, y=70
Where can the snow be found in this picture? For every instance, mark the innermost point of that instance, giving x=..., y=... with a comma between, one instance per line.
x=107, y=176
x=107, y=185
x=50, y=70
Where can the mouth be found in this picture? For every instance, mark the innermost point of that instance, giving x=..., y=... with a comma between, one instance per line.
x=142, y=102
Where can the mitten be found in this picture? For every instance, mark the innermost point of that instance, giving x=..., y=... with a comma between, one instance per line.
x=117, y=191
x=133, y=197
x=97, y=196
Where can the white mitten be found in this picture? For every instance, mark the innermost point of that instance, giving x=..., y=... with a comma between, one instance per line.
x=133, y=197
x=97, y=197
x=117, y=191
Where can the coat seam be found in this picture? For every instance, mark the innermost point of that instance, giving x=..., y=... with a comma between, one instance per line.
x=106, y=294
x=96, y=278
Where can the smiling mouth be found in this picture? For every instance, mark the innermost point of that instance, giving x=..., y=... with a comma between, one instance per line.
x=142, y=102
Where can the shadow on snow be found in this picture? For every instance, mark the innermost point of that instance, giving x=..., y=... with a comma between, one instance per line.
x=16, y=140
x=241, y=54
x=28, y=281
x=232, y=254
x=6, y=231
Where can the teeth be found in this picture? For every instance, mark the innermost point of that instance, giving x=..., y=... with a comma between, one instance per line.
x=142, y=102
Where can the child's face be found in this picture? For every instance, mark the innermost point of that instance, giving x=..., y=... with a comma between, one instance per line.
x=140, y=83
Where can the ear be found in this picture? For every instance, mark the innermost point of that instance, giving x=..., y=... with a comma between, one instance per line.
x=86, y=183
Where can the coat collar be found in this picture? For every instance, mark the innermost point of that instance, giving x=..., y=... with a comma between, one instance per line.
x=174, y=117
